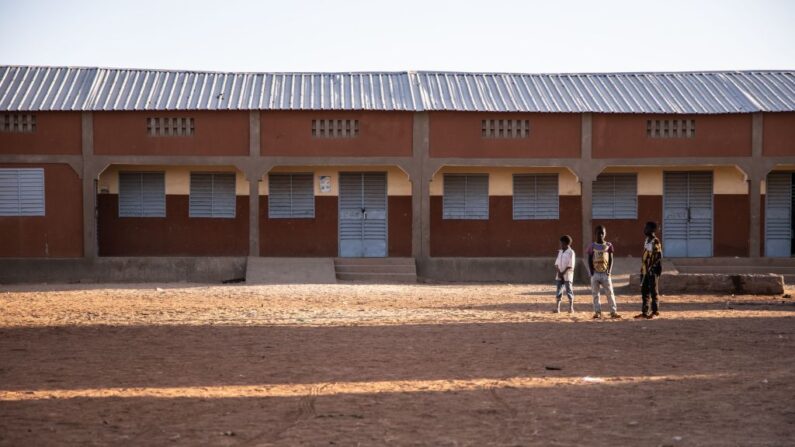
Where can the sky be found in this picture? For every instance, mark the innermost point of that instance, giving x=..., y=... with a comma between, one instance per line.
x=350, y=35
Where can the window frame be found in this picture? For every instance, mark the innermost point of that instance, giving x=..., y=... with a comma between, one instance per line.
x=327, y=128
x=18, y=122
x=670, y=128
x=170, y=126
x=505, y=129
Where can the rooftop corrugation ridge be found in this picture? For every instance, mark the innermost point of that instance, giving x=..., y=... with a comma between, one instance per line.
x=30, y=88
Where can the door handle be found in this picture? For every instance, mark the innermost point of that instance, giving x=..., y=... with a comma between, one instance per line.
x=688, y=214
x=364, y=213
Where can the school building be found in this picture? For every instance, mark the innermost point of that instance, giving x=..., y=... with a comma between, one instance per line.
x=460, y=172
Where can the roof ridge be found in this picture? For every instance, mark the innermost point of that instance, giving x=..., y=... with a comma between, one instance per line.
x=214, y=72
x=407, y=72
x=607, y=73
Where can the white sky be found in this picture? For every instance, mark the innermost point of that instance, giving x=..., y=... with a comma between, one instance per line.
x=348, y=35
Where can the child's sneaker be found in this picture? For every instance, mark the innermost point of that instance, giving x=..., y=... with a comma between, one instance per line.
x=597, y=315
x=639, y=316
x=655, y=314
x=615, y=316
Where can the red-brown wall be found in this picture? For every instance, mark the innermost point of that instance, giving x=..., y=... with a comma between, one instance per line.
x=399, y=225
x=57, y=234
x=216, y=133
x=380, y=134
x=56, y=133
x=315, y=237
x=762, y=227
x=173, y=235
x=731, y=224
x=624, y=136
x=501, y=235
x=626, y=235
x=319, y=236
x=778, y=136
x=456, y=134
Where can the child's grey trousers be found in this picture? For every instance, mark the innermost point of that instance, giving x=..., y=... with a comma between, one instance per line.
x=599, y=281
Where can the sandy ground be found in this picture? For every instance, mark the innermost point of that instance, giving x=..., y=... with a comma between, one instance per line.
x=180, y=364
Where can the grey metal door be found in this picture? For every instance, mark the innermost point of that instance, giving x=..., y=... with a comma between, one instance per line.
x=363, y=213
x=687, y=214
x=778, y=214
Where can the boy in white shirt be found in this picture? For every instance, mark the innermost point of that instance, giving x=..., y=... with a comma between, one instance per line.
x=564, y=267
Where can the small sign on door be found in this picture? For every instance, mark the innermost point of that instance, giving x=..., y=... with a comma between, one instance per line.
x=325, y=183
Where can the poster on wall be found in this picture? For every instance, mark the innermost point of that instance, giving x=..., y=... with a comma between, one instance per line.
x=325, y=183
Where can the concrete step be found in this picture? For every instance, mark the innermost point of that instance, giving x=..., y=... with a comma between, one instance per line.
x=628, y=265
x=782, y=262
x=737, y=269
x=378, y=277
x=718, y=283
x=388, y=270
x=411, y=269
x=374, y=261
x=735, y=266
x=118, y=269
x=290, y=271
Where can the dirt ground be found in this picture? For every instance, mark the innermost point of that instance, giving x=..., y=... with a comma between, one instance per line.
x=181, y=364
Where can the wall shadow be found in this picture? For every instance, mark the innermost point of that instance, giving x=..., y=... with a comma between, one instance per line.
x=584, y=303
x=80, y=286
x=69, y=357
x=698, y=410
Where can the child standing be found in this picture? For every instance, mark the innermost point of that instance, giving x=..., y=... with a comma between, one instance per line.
x=650, y=270
x=600, y=264
x=564, y=268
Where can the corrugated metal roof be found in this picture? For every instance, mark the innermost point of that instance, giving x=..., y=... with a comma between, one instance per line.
x=96, y=89
x=708, y=92
x=99, y=89
x=51, y=88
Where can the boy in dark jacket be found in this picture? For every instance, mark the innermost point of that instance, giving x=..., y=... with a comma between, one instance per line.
x=650, y=270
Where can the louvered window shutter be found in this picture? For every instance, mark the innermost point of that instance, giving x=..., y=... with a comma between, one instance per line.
x=142, y=194
x=615, y=196
x=291, y=196
x=535, y=197
x=22, y=192
x=466, y=196
x=212, y=195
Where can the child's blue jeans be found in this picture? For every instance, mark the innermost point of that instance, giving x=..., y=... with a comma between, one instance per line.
x=560, y=284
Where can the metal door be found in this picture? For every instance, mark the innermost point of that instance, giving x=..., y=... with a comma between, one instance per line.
x=778, y=214
x=362, y=215
x=687, y=214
